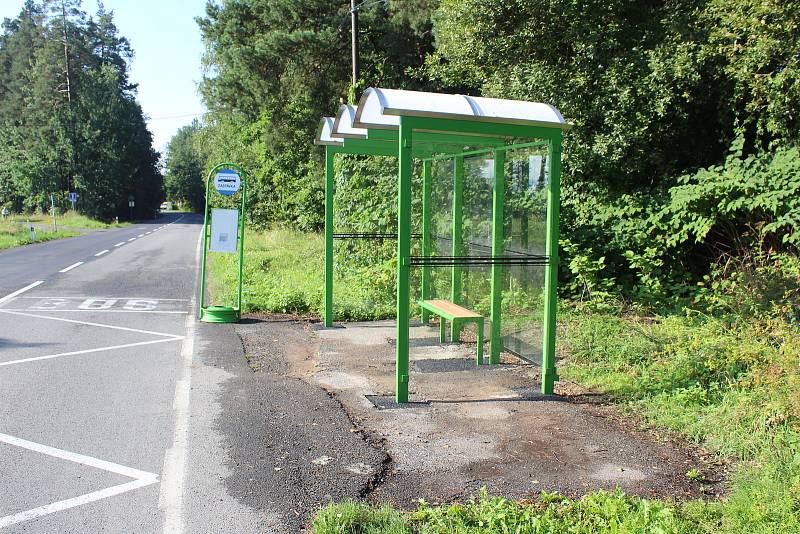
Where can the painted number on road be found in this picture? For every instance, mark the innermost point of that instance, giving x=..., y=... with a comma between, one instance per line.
x=108, y=304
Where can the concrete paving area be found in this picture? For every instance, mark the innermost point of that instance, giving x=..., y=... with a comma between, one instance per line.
x=467, y=426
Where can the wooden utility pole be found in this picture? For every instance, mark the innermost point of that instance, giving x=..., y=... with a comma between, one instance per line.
x=354, y=40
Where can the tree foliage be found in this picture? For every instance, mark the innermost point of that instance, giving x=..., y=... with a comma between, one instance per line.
x=685, y=114
x=275, y=66
x=184, y=179
x=69, y=121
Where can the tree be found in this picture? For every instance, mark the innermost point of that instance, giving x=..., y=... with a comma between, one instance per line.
x=69, y=120
x=184, y=180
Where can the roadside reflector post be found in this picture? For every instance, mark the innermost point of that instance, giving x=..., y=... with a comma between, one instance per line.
x=223, y=233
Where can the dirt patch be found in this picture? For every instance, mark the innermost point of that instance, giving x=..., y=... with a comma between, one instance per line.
x=471, y=426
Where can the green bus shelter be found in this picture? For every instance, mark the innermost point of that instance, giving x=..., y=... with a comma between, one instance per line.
x=490, y=173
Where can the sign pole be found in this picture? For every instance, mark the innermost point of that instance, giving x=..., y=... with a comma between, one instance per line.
x=228, y=179
x=53, y=209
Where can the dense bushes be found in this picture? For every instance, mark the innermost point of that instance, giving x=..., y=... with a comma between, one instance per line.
x=686, y=118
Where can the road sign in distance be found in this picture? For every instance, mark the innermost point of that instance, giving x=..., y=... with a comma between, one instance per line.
x=227, y=182
x=73, y=197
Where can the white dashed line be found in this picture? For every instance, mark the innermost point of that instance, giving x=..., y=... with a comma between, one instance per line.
x=120, y=244
x=131, y=239
x=101, y=253
x=148, y=233
x=140, y=235
x=20, y=291
x=66, y=269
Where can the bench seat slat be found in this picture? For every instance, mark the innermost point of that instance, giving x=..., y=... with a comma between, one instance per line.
x=449, y=309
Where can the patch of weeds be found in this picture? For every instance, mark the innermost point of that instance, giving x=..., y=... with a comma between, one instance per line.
x=726, y=383
x=598, y=512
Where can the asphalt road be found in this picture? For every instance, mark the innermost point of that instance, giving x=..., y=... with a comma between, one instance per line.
x=107, y=422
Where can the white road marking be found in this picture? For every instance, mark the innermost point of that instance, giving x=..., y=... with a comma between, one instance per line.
x=141, y=479
x=67, y=269
x=112, y=327
x=120, y=298
x=104, y=311
x=20, y=291
x=77, y=458
x=106, y=251
x=89, y=351
x=148, y=233
x=72, y=503
x=140, y=235
x=170, y=497
x=132, y=239
x=120, y=244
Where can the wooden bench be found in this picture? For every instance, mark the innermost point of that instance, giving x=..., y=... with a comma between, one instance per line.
x=457, y=315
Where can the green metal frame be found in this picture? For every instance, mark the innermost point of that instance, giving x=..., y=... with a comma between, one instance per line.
x=222, y=314
x=498, y=201
x=458, y=238
x=431, y=139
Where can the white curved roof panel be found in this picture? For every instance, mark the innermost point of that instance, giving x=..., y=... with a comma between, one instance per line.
x=324, y=131
x=343, y=125
x=382, y=108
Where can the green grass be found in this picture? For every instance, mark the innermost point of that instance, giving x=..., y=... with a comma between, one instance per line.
x=15, y=230
x=16, y=234
x=597, y=512
x=730, y=383
x=69, y=219
x=284, y=273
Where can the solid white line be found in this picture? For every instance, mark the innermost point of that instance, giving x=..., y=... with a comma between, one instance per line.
x=170, y=497
x=120, y=244
x=112, y=327
x=20, y=291
x=132, y=239
x=77, y=458
x=67, y=269
x=88, y=351
x=106, y=298
x=142, y=479
x=140, y=235
x=99, y=311
x=75, y=501
x=106, y=251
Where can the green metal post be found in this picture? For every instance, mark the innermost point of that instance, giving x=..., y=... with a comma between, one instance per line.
x=458, y=238
x=426, y=235
x=498, y=200
x=241, y=238
x=329, y=155
x=403, y=257
x=223, y=314
x=205, y=248
x=549, y=376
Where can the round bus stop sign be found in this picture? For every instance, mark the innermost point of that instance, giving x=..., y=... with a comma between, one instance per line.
x=227, y=182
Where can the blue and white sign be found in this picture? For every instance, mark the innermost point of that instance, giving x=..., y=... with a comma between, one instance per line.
x=73, y=197
x=227, y=182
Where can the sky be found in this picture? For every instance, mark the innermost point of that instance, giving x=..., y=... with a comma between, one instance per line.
x=166, y=65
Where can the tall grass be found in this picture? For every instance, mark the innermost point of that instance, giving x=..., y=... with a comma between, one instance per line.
x=284, y=271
